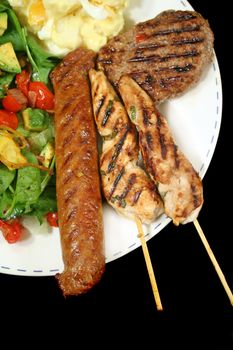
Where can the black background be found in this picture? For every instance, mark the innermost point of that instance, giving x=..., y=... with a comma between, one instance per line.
x=197, y=313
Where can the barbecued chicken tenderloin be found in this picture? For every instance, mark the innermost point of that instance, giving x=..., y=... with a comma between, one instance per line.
x=178, y=183
x=126, y=186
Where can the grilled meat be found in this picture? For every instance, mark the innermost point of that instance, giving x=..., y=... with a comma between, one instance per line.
x=126, y=186
x=165, y=55
x=178, y=183
x=78, y=182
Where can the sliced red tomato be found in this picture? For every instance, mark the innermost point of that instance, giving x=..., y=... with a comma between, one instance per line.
x=9, y=119
x=44, y=97
x=52, y=219
x=22, y=81
x=12, y=230
x=11, y=104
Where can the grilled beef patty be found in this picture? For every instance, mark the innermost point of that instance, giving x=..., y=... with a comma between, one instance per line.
x=165, y=55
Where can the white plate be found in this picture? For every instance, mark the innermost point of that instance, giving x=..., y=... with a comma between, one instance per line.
x=195, y=121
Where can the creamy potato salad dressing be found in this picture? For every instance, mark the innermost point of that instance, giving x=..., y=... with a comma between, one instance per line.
x=63, y=25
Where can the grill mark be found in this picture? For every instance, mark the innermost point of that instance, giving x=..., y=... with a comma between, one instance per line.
x=144, y=59
x=150, y=79
x=146, y=116
x=73, y=234
x=176, y=158
x=179, y=18
x=163, y=59
x=67, y=86
x=179, y=69
x=68, y=103
x=116, y=181
x=71, y=214
x=131, y=182
x=100, y=105
x=118, y=148
x=185, y=54
x=70, y=116
x=136, y=196
x=195, y=197
x=185, y=16
x=155, y=46
x=68, y=158
x=108, y=111
x=69, y=194
x=69, y=138
x=187, y=29
x=164, y=82
x=67, y=119
x=186, y=41
x=149, y=140
x=161, y=137
x=152, y=46
x=68, y=177
x=150, y=166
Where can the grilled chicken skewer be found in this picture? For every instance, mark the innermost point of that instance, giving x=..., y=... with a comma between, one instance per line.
x=178, y=183
x=126, y=186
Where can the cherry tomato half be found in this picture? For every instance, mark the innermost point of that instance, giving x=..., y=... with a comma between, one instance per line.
x=9, y=119
x=44, y=97
x=22, y=81
x=52, y=219
x=12, y=230
x=11, y=104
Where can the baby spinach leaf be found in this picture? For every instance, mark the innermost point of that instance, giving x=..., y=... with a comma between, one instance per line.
x=42, y=62
x=28, y=185
x=45, y=204
x=5, y=203
x=6, y=177
x=14, y=32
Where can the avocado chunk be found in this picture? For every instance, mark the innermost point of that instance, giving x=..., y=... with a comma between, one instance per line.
x=47, y=154
x=3, y=22
x=5, y=81
x=35, y=119
x=8, y=59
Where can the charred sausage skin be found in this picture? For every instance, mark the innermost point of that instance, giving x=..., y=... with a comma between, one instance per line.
x=78, y=183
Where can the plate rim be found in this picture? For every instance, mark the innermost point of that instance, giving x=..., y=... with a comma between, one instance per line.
x=165, y=221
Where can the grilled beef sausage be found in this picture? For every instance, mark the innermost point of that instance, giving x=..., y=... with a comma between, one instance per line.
x=78, y=183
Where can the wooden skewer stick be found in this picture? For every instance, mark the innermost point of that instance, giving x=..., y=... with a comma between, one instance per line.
x=214, y=261
x=149, y=265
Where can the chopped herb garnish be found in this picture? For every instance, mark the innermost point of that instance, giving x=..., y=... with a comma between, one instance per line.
x=102, y=172
x=132, y=113
x=111, y=136
x=121, y=201
x=111, y=166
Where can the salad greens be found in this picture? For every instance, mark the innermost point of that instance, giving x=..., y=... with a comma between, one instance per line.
x=41, y=61
x=28, y=190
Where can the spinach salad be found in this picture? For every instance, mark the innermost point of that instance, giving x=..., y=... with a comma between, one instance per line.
x=27, y=158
